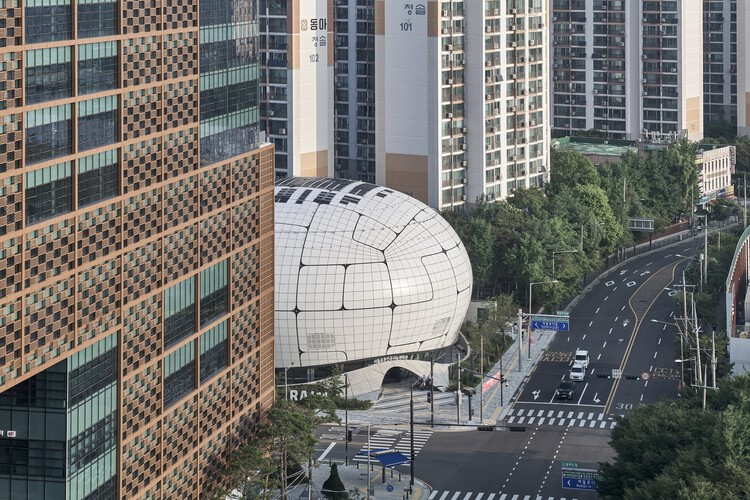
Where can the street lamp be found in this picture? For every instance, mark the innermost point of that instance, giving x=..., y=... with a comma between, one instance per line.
x=286, y=370
x=531, y=287
x=705, y=246
x=700, y=262
x=556, y=252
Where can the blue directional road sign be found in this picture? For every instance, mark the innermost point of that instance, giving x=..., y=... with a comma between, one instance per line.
x=579, y=479
x=550, y=323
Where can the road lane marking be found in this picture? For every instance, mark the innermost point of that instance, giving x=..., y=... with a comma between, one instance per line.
x=591, y=322
x=599, y=357
x=468, y=495
x=327, y=450
x=584, y=337
x=458, y=493
x=636, y=328
x=605, y=344
x=432, y=495
x=597, y=310
x=610, y=331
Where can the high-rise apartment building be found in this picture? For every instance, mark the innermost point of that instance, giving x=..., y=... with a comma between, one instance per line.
x=719, y=62
x=629, y=69
x=443, y=100
x=136, y=246
x=743, y=68
x=296, y=85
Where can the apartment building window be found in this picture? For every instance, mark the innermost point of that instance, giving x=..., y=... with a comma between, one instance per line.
x=97, y=18
x=48, y=192
x=97, y=67
x=49, y=133
x=179, y=312
x=97, y=122
x=179, y=374
x=213, y=351
x=213, y=283
x=98, y=177
x=49, y=74
x=47, y=20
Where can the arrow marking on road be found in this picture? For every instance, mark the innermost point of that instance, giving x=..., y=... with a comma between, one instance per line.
x=623, y=272
x=536, y=394
x=596, y=399
x=626, y=322
x=645, y=273
x=621, y=341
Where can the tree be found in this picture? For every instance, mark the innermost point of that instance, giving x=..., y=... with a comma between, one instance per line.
x=333, y=487
x=478, y=238
x=251, y=469
x=571, y=169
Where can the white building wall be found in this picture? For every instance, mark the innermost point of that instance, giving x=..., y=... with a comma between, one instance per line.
x=690, y=69
x=743, y=68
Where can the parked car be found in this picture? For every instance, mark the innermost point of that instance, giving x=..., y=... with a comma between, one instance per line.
x=577, y=372
x=566, y=389
x=582, y=358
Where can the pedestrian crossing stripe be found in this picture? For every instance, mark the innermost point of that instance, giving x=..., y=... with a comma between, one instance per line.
x=395, y=440
x=469, y=495
x=571, y=418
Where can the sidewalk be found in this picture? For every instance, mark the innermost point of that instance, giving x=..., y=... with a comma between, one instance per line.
x=395, y=486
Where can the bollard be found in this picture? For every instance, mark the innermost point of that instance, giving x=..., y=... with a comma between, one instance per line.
x=391, y=472
x=357, y=465
x=399, y=476
x=383, y=473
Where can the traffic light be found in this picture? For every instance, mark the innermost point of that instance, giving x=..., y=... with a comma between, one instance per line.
x=349, y=436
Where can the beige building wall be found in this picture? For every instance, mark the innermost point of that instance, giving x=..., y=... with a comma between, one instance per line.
x=743, y=68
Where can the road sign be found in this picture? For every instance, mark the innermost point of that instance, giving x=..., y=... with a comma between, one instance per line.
x=569, y=465
x=389, y=488
x=579, y=479
x=550, y=322
x=645, y=375
x=562, y=313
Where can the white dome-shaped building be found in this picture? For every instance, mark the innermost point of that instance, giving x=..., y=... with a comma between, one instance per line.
x=363, y=272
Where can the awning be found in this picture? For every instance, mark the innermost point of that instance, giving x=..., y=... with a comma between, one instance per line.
x=389, y=458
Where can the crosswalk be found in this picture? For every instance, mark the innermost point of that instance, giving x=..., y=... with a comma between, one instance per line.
x=565, y=418
x=469, y=495
x=385, y=439
x=399, y=402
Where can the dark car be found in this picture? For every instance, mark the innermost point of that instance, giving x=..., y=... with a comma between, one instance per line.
x=566, y=389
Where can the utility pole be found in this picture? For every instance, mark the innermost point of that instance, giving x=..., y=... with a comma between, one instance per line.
x=481, y=382
x=520, y=337
x=458, y=391
x=411, y=434
x=432, y=394
x=346, y=419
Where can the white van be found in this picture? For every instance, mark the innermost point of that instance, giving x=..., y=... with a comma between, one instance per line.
x=582, y=358
x=577, y=372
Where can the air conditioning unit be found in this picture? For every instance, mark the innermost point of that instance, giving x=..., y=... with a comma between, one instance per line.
x=555, y=78
x=522, y=140
x=363, y=141
x=488, y=29
x=512, y=27
x=644, y=57
x=464, y=146
x=488, y=96
x=663, y=20
x=645, y=20
x=514, y=158
x=464, y=180
x=572, y=113
x=621, y=44
x=490, y=196
x=522, y=59
x=449, y=115
x=498, y=177
x=449, y=81
x=488, y=63
x=496, y=12
x=644, y=93
x=605, y=127
x=525, y=92
x=445, y=13
x=271, y=113
x=522, y=172
x=282, y=131
x=513, y=11
x=532, y=43
x=513, y=76
x=643, y=80
x=531, y=59
x=464, y=197
x=493, y=129
x=555, y=65
x=512, y=109
x=513, y=44
x=532, y=123
x=532, y=107
x=464, y=163
x=464, y=130
x=449, y=47
x=674, y=70
x=595, y=91
x=496, y=46
x=567, y=101
x=488, y=79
